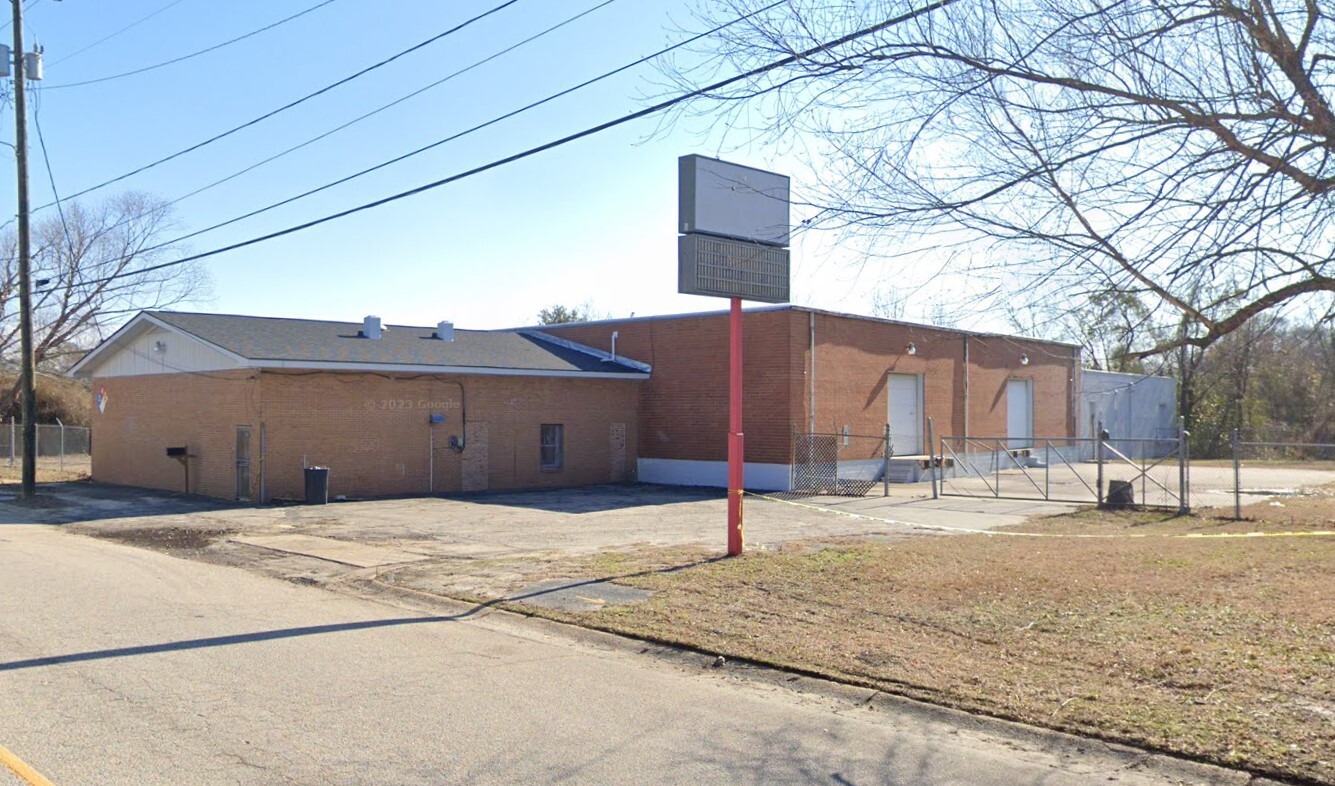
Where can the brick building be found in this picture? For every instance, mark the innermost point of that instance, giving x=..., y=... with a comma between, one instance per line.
x=823, y=372
x=393, y=410
x=433, y=410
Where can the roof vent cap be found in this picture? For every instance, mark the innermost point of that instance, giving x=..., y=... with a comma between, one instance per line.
x=445, y=331
x=371, y=328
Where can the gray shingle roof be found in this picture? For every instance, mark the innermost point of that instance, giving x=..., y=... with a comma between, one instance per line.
x=314, y=341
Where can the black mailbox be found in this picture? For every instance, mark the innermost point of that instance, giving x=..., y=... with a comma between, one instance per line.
x=176, y=453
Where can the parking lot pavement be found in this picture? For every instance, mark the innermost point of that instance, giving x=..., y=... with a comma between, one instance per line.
x=560, y=521
x=482, y=545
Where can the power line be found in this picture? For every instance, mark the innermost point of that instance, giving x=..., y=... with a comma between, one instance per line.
x=450, y=138
x=182, y=58
x=26, y=8
x=647, y=111
x=50, y=176
x=460, y=134
x=110, y=36
x=290, y=104
x=384, y=107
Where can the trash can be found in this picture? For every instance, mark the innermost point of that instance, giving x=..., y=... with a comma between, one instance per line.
x=1121, y=495
x=317, y=485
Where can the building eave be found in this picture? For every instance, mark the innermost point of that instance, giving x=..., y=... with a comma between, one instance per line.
x=404, y=368
x=113, y=343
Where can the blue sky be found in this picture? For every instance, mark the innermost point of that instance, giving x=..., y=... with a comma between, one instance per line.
x=591, y=221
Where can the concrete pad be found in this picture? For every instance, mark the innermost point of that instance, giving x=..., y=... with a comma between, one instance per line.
x=344, y=552
x=578, y=594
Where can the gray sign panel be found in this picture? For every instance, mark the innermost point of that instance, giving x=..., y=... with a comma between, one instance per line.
x=730, y=200
x=732, y=268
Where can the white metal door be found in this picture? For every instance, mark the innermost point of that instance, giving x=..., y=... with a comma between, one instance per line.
x=1019, y=413
x=905, y=413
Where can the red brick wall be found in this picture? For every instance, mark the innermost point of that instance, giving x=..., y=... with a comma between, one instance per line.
x=684, y=410
x=1052, y=368
x=853, y=358
x=373, y=431
x=684, y=407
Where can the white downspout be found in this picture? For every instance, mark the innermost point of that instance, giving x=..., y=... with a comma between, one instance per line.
x=615, y=333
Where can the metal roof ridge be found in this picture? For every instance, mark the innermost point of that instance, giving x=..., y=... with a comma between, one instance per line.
x=159, y=312
x=597, y=353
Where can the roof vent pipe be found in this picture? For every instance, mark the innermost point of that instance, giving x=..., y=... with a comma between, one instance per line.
x=445, y=331
x=371, y=328
x=615, y=333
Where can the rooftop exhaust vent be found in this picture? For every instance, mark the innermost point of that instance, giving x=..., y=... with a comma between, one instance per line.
x=445, y=331
x=371, y=328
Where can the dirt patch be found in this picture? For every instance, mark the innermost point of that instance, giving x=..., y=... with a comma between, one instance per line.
x=1307, y=511
x=170, y=539
x=1216, y=648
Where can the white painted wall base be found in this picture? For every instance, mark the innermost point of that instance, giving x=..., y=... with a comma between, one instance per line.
x=683, y=472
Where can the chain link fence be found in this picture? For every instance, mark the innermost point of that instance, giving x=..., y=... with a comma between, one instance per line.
x=1063, y=469
x=1266, y=471
x=848, y=465
x=1121, y=472
x=66, y=449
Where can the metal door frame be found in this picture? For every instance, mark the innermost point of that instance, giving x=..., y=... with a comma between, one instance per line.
x=242, y=463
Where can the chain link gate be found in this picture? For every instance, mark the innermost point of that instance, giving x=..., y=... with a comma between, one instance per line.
x=1144, y=472
x=847, y=465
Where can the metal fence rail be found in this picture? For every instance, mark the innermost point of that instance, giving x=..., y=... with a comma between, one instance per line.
x=1273, y=471
x=1047, y=469
x=1062, y=469
x=1114, y=472
x=57, y=444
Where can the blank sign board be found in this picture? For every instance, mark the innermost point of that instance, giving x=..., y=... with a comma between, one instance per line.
x=730, y=200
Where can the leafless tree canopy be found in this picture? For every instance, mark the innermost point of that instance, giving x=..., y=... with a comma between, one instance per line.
x=1175, y=151
x=71, y=262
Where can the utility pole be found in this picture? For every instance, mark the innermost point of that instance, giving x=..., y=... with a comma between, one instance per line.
x=29, y=488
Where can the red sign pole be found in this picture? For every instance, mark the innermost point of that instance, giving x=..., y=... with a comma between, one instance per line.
x=735, y=439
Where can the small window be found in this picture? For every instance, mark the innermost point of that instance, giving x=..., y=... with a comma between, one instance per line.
x=553, y=446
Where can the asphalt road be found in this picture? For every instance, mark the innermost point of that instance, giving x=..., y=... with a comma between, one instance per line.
x=125, y=666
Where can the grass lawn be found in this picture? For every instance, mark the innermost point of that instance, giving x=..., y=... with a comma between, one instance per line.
x=1217, y=648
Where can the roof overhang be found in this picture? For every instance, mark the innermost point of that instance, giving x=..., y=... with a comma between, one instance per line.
x=136, y=327
x=144, y=321
x=309, y=365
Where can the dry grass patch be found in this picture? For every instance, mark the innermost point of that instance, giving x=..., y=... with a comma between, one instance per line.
x=49, y=470
x=1222, y=649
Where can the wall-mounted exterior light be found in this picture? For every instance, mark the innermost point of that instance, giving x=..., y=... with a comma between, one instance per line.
x=1024, y=360
x=912, y=348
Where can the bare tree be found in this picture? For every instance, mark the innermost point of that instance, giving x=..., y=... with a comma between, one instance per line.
x=1107, y=326
x=1178, y=152
x=90, y=267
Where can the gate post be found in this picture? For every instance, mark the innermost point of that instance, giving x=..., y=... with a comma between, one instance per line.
x=1183, y=478
x=885, y=465
x=1237, y=480
x=998, y=447
x=794, y=448
x=1099, y=436
x=931, y=454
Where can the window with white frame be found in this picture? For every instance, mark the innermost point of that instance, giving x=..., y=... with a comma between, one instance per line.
x=553, y=446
